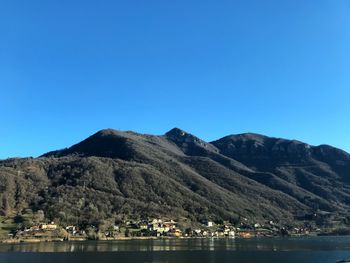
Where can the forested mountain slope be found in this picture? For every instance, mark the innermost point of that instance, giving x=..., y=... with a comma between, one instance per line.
x=114, y=174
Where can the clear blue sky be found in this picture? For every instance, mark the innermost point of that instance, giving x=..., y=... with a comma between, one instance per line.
x=213, y=68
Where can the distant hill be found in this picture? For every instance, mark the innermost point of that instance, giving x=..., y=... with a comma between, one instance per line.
x=115, y=174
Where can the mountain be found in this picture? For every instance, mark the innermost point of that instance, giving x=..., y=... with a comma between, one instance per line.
x=117, y=175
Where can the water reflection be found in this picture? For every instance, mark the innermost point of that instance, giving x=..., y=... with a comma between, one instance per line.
x=255, y=244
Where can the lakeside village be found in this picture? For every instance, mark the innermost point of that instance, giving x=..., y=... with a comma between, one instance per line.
x=148, y=229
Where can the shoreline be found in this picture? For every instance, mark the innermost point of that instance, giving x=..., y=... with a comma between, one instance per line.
x=37, y=240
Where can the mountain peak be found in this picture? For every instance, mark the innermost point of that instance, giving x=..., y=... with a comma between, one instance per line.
x=249, y=136
x=189, y=143
x=113, y=132
x=104, y=143
x=107, y=131
x=176, y=132
x=181, y=136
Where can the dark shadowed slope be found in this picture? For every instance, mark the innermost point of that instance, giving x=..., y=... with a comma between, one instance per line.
x=323, y=170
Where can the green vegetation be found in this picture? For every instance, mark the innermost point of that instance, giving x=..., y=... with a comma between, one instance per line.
x=7, y=227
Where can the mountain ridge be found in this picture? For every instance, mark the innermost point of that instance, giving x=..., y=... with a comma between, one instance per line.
x=178, y=175
x=176, y=132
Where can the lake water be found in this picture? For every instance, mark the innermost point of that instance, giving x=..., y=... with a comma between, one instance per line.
x=264, y=250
